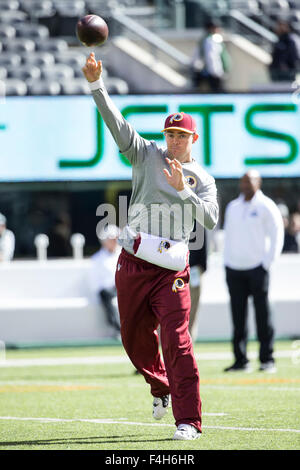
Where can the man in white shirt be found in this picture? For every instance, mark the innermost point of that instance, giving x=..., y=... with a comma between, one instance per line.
x=7, y=241
x=102, y=274
x=253, y=231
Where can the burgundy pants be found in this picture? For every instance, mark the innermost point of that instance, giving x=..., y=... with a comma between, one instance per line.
x=149, y=296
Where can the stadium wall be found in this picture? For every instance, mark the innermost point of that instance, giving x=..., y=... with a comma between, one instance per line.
x=51, y=302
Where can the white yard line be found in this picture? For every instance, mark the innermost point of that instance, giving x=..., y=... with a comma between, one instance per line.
x=133, y=423
x=96, y=360
x=223, y=386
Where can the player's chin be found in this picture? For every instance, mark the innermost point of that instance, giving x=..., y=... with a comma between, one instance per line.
x=174, y=154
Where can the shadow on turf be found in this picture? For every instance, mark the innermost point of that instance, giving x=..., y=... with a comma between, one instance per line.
x=81, y=441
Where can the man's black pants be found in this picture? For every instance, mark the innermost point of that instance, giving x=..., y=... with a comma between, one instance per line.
x=109, y=299
x=241, y=285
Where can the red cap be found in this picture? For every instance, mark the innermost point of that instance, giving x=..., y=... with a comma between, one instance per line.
x=181, y=122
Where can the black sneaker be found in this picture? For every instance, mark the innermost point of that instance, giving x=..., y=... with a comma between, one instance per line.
x=160, y=406
x=238, y=367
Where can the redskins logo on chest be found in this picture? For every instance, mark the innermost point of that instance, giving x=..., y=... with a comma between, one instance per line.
x=190, y=181
x=177, y=284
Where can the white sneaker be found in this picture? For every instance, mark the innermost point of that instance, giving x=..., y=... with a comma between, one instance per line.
x=268, y=367
x=186, y=432
x=160, y=406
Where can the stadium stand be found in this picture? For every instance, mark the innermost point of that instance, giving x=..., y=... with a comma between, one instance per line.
x=32, y=31
x=13, y=16
x=43, y=32
x=57, y=71
x=37, y=39
x=24, y=72
x=38, y=58
x=3, y=73
x=43, y=87
x=18, y=45
x=14, y=86
x=10, y=59
x=263, y=12
x=7, y=31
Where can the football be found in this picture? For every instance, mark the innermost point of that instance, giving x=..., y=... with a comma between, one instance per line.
x=92, y=30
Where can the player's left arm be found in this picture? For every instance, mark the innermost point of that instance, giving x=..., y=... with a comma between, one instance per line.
x=204, y=203
x=275, y=231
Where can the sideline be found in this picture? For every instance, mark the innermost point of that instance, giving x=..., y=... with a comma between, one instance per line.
x=91, y=360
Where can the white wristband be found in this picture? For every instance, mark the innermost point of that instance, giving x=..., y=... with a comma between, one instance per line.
x=185, y=193
x=96, y=85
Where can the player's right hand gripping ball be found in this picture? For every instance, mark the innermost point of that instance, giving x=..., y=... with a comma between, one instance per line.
x=92, y=30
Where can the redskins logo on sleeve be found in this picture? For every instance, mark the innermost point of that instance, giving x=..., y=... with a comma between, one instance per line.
x=190, y=181
x=177, y=284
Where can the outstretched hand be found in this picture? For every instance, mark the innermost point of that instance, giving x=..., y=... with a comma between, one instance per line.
x=92, y=69
x=176, y=177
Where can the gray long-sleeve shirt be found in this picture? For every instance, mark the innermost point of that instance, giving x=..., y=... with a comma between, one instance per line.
x=155, y=206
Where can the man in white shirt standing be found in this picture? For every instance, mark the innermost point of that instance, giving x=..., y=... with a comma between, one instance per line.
x=102, y=274
x=7, y=241
x=253, y=231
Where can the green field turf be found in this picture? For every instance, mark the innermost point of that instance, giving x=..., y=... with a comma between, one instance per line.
x=106, y=406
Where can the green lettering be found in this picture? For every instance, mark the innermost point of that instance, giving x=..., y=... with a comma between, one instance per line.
x=140, y=109
x=206, y=111
x=269, y=134
x=99, y=149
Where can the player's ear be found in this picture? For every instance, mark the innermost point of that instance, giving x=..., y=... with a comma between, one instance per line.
x=195, y=138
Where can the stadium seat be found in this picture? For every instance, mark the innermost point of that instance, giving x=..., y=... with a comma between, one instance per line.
x=41, y=12
x=8, y=58
x=29, y=30
x=18, y=45
x=279, y=4
x=293, y=5
x=253, y=6
x=14, y=86
x=72, y=58
x=13, y=16
x=97, y=6
x=3, y=73
x=68, y=15
x=43, y=87
x=76, y=86
x=39, y=59
x=24, y=72
x=9, y=5
x=296, y=28
x=116, y=86
x=46, y=18
x=76, y=4
x=295, y=17
x=7, y=31
x=57, y=71
x=30, y=5
x=52, y=45
x=263, y=4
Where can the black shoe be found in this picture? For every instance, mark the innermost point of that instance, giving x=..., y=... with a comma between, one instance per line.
x=237, y=366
